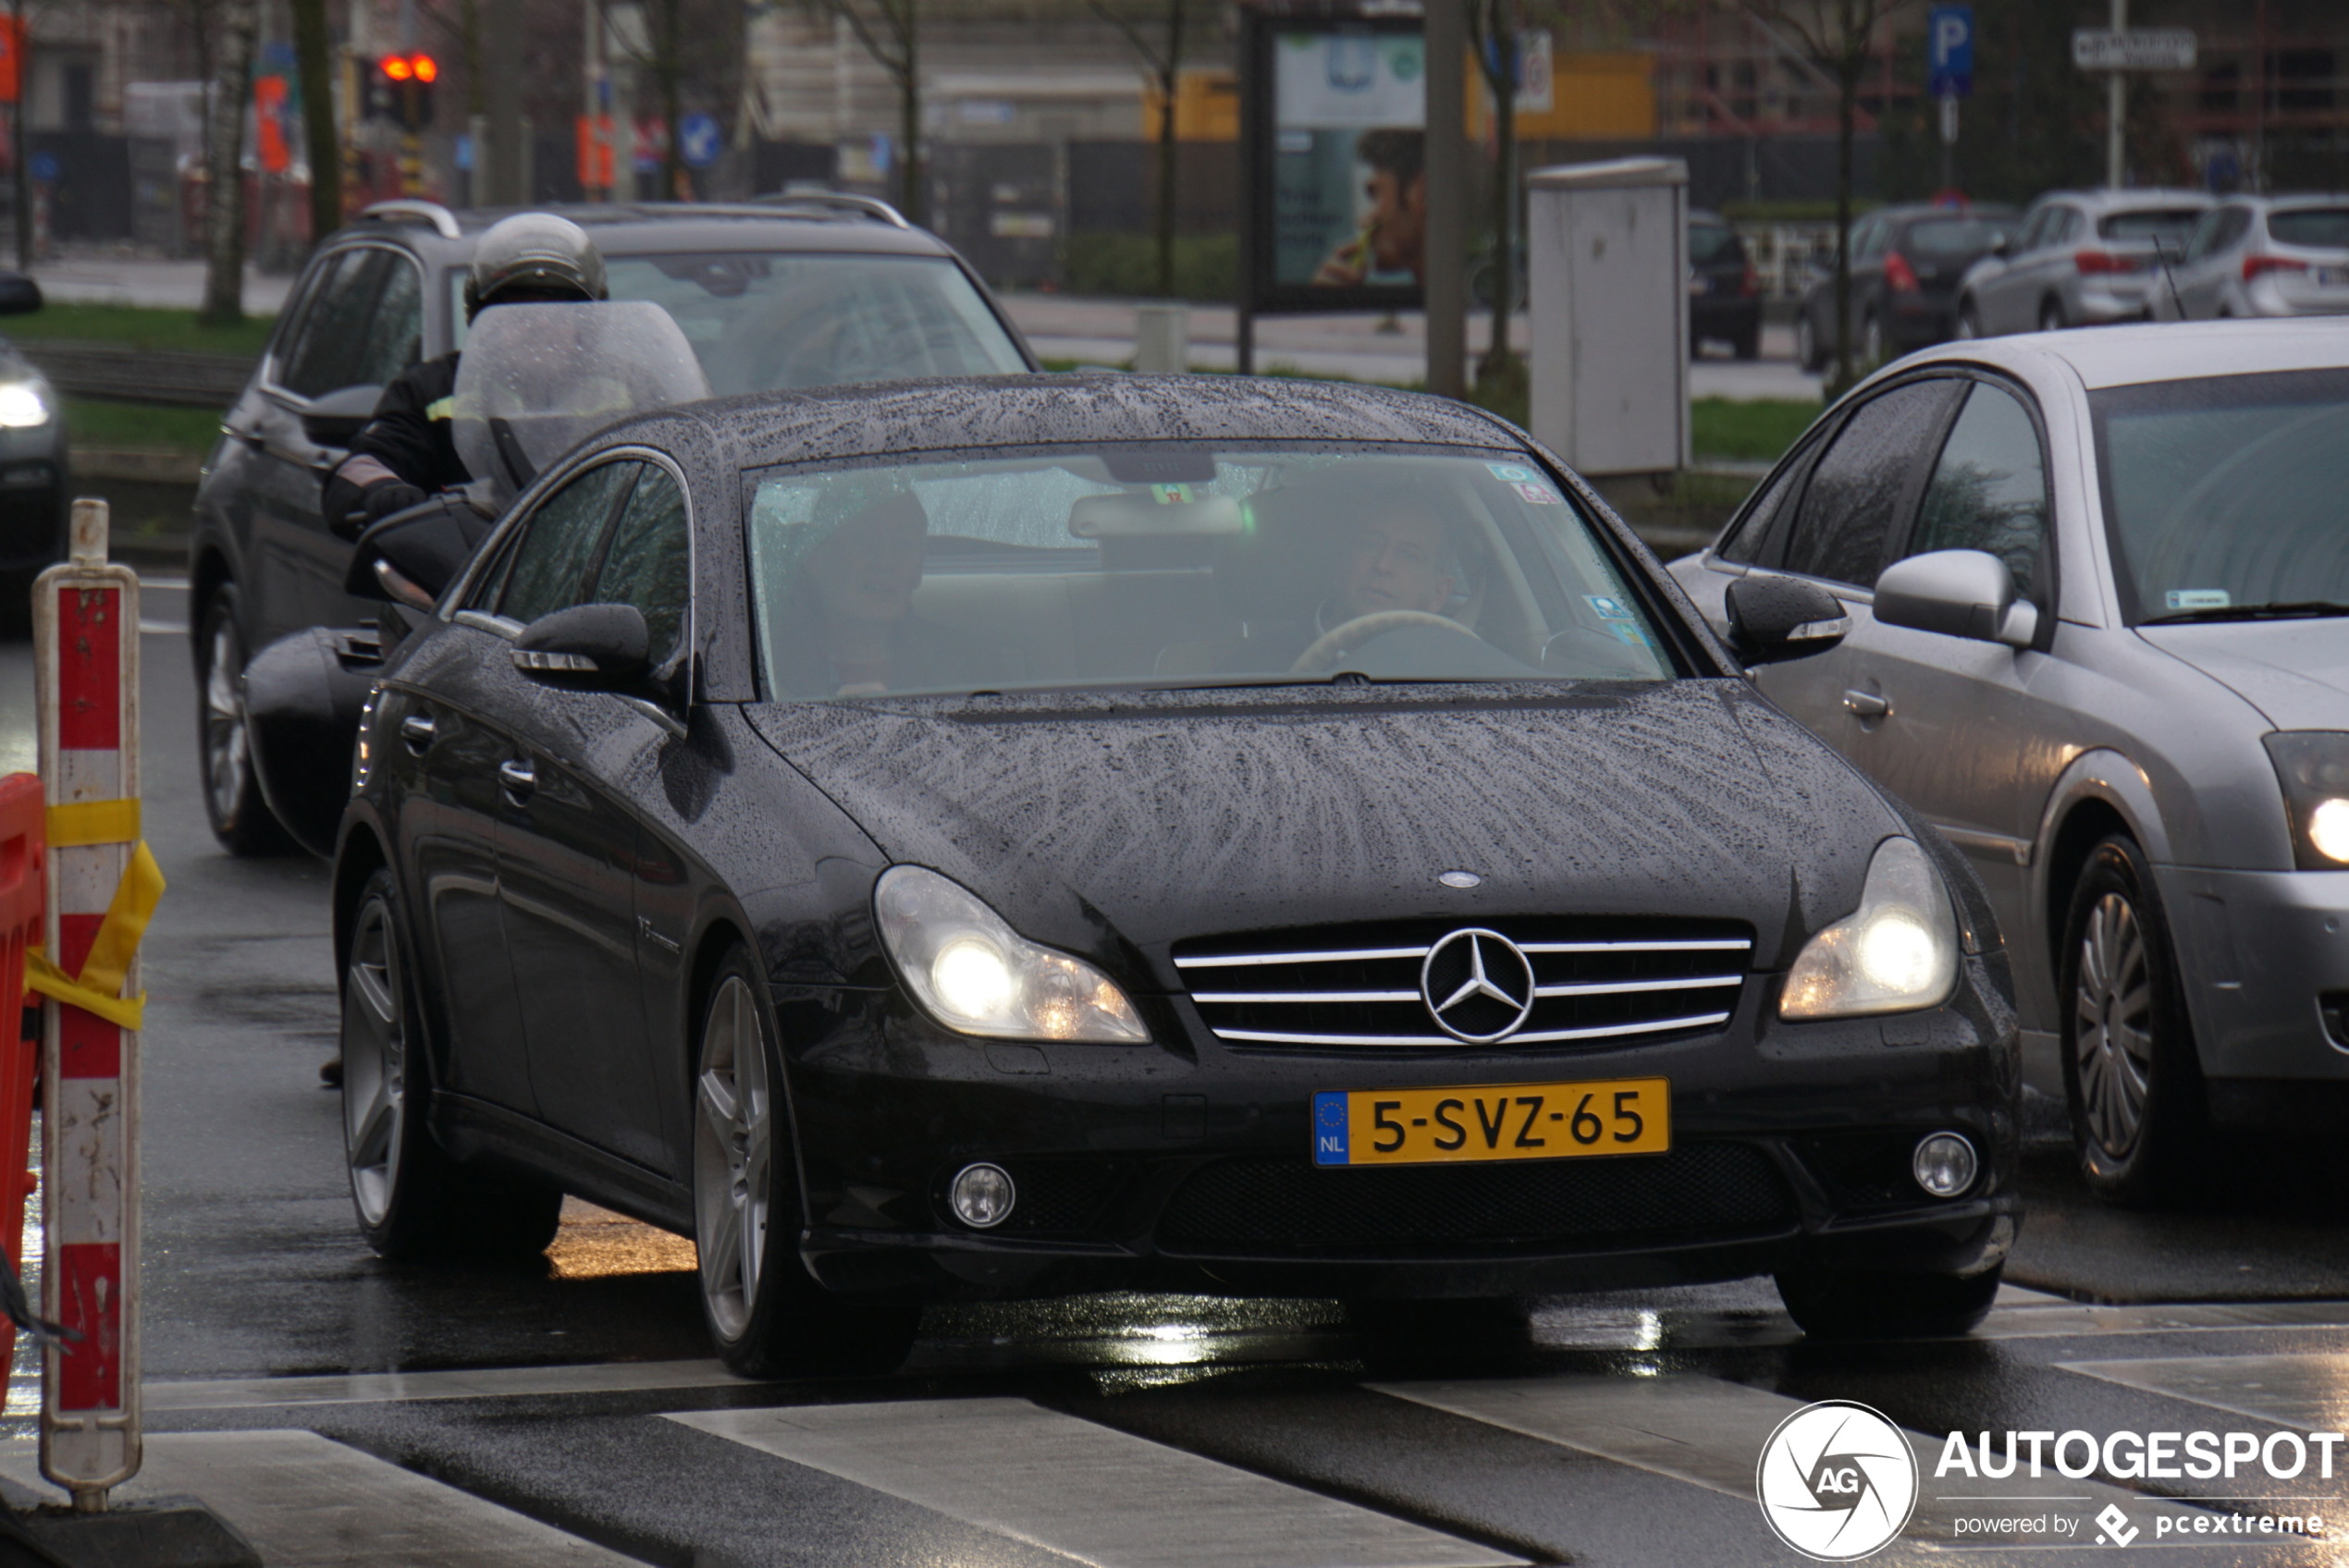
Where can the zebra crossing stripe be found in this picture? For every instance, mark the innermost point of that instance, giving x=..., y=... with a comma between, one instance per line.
x=2291, y=1390
x=1092, y=1493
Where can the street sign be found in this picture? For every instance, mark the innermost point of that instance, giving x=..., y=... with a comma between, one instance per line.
x=699, y=140
x=1948, y=52
x=2133, y=49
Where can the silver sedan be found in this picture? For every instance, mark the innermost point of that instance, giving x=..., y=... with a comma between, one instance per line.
x=2100, y=592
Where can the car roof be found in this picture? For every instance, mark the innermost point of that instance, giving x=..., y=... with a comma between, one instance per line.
x=763, y=428
x=2135, y=355
x=2131, y=200
x=2294, y=199
x=664, y=228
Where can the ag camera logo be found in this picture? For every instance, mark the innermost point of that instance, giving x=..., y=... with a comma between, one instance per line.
x=1837, y=1481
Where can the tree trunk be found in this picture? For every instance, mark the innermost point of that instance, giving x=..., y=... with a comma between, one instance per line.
x=1847, y=104
x=16, y=126
x=1504, y=204
x=313, y=53
x=1170, y=80
x=909, y=106
x=224, y=221
x=668, y=69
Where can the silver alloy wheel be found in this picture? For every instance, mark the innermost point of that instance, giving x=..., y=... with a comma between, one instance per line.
x=2112, y=1041
x=224, y=722
x=733, y=1156
x=374, y=1062
x=1967, y=329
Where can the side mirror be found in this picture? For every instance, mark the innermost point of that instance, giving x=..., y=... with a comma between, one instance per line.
x=586, y=648
x=2000, y=244
x=19, y=294
x=1775, y=618
x=1965, y=594
x=333, y=419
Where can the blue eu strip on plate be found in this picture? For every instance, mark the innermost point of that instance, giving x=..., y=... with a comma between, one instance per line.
x=1329, y=1128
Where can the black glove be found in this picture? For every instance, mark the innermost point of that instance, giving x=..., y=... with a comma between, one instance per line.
x=382, y=500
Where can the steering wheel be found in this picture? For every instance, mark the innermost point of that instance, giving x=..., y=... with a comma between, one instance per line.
x=1361, y=629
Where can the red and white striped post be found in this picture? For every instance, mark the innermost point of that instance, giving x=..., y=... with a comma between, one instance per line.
x=86, y=649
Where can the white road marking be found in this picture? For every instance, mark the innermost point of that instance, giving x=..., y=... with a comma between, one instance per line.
x=1085, y=1491
x=2308, y=1391
x=369, y=1388
x=305, y=1501
x=2070, y=1320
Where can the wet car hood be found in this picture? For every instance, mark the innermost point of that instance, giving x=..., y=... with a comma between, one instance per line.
x=2296, y=672
x=1093, y=821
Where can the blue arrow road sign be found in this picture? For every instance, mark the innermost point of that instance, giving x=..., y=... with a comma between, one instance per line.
x=1950, y=52
x=698, y=140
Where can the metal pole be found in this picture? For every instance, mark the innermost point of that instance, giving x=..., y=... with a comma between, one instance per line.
x=2116, y=104
x=1444, y=264
x=501, y=160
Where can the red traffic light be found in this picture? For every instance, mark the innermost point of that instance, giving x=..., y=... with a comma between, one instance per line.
x=427, y=69
x=396, y=66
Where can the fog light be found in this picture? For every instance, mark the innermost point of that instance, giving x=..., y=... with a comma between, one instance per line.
x=1944, y=1165
x=982, y=1195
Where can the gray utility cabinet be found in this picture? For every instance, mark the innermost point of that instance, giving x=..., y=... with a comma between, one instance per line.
x=1609, y=299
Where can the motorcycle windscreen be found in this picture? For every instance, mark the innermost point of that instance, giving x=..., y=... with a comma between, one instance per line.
x=535, y=380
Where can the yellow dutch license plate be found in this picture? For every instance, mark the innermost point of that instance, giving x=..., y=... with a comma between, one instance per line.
x=1493, y=1122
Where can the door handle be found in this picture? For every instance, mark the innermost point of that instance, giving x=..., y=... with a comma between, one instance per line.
x=1867, y=704
x=250, y=434
x=418, y=732
x=518, y=779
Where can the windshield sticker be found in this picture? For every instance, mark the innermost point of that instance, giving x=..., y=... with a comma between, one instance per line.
x=1606, y=609
x=1539, y=494
x=1512, y=474
x=1630, y=631
x=2198, y=599
x=1171, y=494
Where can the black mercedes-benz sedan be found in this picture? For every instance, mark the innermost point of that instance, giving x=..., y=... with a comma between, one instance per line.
x=1048, y=834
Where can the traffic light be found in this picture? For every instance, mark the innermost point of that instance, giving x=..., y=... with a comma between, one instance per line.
x=402, y=90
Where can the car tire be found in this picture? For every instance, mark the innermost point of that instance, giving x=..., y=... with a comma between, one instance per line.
x=2051, y=316
x=2130, y=1074
x=1748, y=344
x=1835, y=1303
x=766, y=1314
x=1969, y=326
x=1809, y=352
x=414, y=1203
x=240, y=818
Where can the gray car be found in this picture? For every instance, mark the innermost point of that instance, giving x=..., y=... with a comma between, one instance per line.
x=2262, y=256
x=2099, y=598
x=2081, y=259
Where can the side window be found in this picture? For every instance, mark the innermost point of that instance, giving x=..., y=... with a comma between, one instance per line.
x=2203, y=240
x=1855, y=494
x=2034, y=231
x=2068, y=226
x=1753, y=541
x=649, y=561
x=557, y=545
x=327, y=353
x=1990, y=491
x=395, y=335
x=2233, y=224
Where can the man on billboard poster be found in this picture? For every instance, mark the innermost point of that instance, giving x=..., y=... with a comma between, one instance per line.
x=1392, y=238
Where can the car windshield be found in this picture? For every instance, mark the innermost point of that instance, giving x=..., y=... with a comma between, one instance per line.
x=1944, y=240
x=2150, y=222
x=768, y=322
x=2322, y=226
x=1712, y=242
x=1158, y=565
x=2224, y=495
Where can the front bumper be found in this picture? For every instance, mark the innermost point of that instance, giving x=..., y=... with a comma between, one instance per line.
x=2260, y=952
x=1186, y=1164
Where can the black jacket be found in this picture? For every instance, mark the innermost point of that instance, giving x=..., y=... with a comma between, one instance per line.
x=406, y=443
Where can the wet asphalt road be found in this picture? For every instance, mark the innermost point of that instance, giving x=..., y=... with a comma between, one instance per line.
x=343, y=1411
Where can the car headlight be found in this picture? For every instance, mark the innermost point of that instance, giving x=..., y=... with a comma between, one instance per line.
x=1897, y=953
x=976, y=975
x=2313, y=768
x=23, y=405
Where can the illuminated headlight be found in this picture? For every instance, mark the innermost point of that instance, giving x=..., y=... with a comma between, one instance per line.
x=975, y=974
x=1896, y=952
x=23, y=405
x=2313, y=768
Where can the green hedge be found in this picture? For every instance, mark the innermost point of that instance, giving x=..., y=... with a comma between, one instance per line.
x=1206, y=265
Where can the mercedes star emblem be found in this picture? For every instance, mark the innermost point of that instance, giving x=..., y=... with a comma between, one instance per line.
x=1476, y=985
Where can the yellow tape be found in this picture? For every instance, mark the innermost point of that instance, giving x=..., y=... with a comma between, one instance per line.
x=97, y=989
x=93, y=822
x=46, y=978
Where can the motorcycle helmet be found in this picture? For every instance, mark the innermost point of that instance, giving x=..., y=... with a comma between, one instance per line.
x=537, y=256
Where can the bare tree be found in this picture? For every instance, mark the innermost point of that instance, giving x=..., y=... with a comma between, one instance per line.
x=236, y=26
x=1838, y=37
x=313, y=53
x=889, y=31
x=1162, y=63
x=1495, y=30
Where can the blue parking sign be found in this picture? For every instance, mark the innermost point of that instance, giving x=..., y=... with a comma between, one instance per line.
x=699, y=138
x=1948, y=46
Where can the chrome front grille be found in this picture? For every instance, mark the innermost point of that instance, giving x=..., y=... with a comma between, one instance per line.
x=1589, y=981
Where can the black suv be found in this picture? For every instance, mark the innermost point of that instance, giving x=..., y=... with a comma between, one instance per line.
x=800, y=291
x=1905, y=265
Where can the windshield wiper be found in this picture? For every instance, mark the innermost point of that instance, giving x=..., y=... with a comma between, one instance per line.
x=2302, y=608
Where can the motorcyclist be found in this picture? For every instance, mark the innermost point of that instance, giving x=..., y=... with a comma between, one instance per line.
x=405, y=455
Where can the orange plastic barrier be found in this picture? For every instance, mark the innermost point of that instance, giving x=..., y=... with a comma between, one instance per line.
x=24, y=839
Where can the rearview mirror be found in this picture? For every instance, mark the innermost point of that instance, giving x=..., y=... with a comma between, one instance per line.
x=19, y=294
x=1775, y=618
x=1965, y=594
x=586, y=648
x=334, y=419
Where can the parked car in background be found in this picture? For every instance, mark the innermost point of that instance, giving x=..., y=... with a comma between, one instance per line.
x=2081, y=259
x=32, y=464
x=2262, y=256
x=1725, y=295
x=2099, y=597
x=808, y=291
x=1905, y=265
